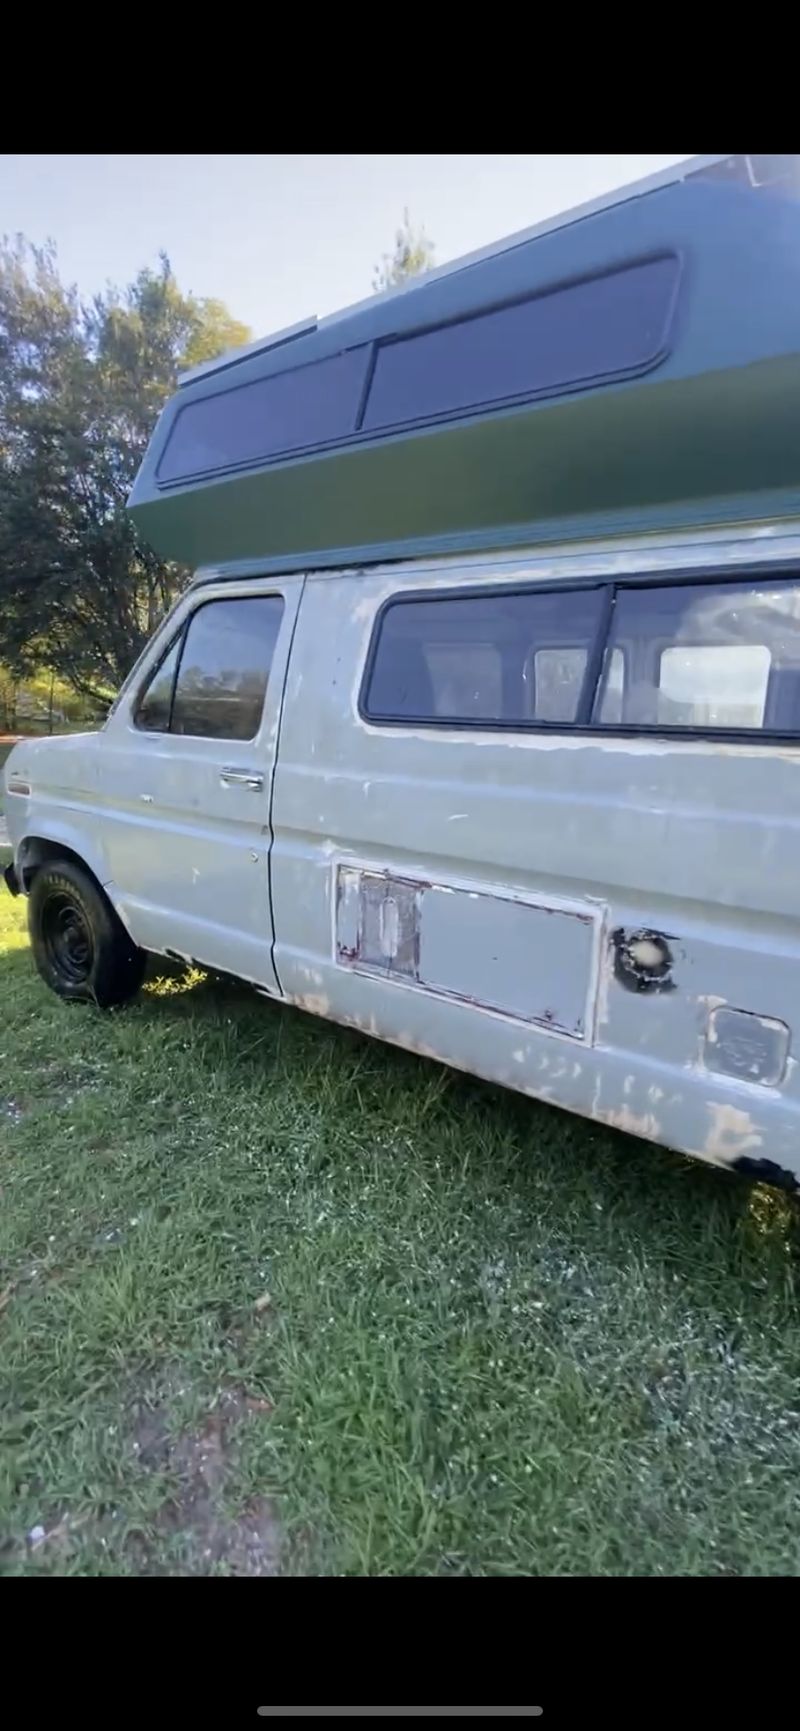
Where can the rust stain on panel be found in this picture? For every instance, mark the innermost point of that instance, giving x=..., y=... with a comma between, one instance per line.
x=732, y=1133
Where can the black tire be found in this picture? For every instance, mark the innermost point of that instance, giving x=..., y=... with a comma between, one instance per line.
x=81, y=948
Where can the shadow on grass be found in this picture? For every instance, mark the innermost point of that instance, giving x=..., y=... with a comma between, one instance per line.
x=550, y=1163
x=663, y=1202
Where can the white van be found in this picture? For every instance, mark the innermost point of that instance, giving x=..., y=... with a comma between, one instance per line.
x=479, y=726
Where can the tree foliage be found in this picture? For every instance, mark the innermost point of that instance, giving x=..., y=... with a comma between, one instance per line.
x=81, y=387
x=413, y=253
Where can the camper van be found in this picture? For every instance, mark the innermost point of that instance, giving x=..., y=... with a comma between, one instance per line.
x=478, y=726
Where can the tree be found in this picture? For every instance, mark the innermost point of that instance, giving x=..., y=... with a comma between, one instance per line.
x=80, y=390
x=413, y=253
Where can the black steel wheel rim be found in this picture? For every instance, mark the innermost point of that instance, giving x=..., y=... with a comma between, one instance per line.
x=67, y=938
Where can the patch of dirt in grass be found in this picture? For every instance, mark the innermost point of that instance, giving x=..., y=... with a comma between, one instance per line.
x=248, y=1543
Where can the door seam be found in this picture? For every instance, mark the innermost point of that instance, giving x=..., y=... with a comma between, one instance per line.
x=273, y=773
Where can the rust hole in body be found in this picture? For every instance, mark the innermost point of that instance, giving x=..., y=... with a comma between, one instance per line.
x=642, y=959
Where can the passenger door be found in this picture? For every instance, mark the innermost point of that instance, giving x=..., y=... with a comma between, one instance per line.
x=187, y=780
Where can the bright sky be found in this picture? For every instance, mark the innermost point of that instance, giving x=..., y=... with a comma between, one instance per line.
x=280, y=237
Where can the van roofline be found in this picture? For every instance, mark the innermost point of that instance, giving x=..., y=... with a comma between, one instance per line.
x=773, y=538
x=684, y=170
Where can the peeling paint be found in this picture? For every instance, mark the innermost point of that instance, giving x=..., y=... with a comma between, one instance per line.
x=410, y=1043
x=316, y=1003
x=643, y=1124
x=364, y=610
x=617, y=745
x=731, y=1134
x=311, y=974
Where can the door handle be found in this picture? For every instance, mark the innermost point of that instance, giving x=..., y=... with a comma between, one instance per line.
x=242, y=778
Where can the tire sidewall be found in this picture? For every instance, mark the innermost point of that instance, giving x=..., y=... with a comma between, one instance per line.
x=116, y=966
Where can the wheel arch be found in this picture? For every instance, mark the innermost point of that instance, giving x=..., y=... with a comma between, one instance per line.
x=36, y=850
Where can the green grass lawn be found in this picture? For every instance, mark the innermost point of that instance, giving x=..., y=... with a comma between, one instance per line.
x=274, y=1297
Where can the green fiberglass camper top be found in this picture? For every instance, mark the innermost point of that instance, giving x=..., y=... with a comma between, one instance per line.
x=631, y=365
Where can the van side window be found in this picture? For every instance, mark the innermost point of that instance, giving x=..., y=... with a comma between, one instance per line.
x=474, y=658
x=705, y=656
x=213, y=681
x=636, y=656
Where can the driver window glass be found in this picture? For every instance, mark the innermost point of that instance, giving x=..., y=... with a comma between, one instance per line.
x=153, y=709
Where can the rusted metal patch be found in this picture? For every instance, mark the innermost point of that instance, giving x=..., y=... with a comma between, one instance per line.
x=750, y=1047
x=377, y=922
x=389, y=935
x=515, y=957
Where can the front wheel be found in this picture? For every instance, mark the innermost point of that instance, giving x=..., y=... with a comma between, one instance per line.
x=80, y=946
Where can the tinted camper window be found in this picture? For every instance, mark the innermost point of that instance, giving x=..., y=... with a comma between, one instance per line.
x=611, y=325
x=251, y=423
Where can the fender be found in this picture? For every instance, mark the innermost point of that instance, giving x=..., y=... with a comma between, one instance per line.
x=54, y=837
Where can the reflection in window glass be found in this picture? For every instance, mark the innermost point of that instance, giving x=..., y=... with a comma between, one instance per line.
x=224, y=668
x=716, y=686
x=557, y=680
x=466, y=679
x=474, y=657
x=610, y=695
x=152, y=713
x=705, y=655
